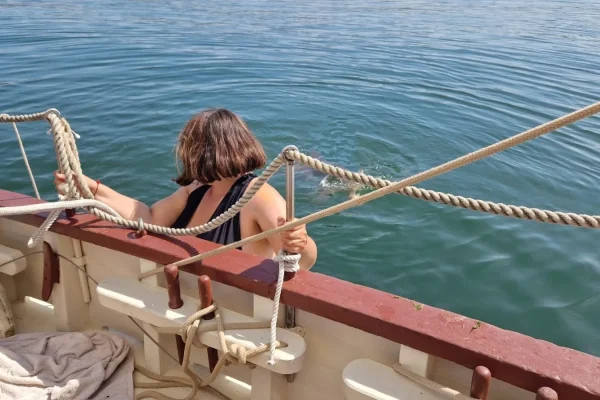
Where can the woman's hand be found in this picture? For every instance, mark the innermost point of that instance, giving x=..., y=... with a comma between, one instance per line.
x=295, y=239
x=60, y=182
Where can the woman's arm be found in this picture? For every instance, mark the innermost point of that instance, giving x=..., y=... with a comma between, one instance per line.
x=269, y=211
x=164, y=212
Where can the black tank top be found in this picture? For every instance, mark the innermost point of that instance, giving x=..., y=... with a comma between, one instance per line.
x=230, y=231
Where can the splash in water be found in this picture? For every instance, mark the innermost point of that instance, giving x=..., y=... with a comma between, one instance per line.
x=331, y=185
x=328, y=185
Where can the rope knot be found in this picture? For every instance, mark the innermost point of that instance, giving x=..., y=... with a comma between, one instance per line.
x=289, y=262
x=190, y=326
x=238, y=353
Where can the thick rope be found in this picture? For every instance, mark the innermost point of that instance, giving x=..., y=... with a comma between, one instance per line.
x=28, y=117
x=190, y=334
x=474, y=156
x=534, y=214
x=26, y=160
x=434, y=386
x=397, y=186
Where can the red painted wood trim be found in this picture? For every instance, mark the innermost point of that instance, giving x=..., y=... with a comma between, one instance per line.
x=511, y=357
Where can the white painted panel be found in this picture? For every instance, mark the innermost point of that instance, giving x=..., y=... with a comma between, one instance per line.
x=459, y=378
x=11, y=261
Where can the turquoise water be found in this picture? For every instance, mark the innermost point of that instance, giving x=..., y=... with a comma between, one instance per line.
x=393, y=88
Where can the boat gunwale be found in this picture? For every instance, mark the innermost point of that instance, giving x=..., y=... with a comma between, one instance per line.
x=512, y=357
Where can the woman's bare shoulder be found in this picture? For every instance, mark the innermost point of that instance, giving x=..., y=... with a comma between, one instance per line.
x=267, y=196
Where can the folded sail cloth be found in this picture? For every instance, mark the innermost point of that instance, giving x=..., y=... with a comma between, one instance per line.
x=66, y=365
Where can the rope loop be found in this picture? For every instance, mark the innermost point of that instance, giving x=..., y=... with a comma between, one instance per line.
x=289, y=262
x=288, y=151
x=196, y=318
x=238, y=353
x=141, y=231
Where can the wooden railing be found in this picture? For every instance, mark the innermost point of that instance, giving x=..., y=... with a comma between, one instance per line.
x=538, y=366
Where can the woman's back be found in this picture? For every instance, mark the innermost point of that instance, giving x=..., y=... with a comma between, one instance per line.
x=230, y=231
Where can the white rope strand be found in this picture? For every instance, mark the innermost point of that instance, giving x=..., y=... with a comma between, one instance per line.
x=55, y=206
x=287, y=263
x=55, y=209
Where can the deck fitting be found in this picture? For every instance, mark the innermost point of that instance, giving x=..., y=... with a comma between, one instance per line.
x=206, y=299
x=173, y=289
x=51, y=271
x=546, y=393
x=480, y=383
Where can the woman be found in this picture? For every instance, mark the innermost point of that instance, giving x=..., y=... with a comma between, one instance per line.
x=218, y=154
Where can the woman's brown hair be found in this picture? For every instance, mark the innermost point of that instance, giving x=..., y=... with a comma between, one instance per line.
x=216, y=144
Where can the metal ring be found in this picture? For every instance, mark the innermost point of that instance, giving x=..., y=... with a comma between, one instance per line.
x=53, y=110
x=286, y=149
